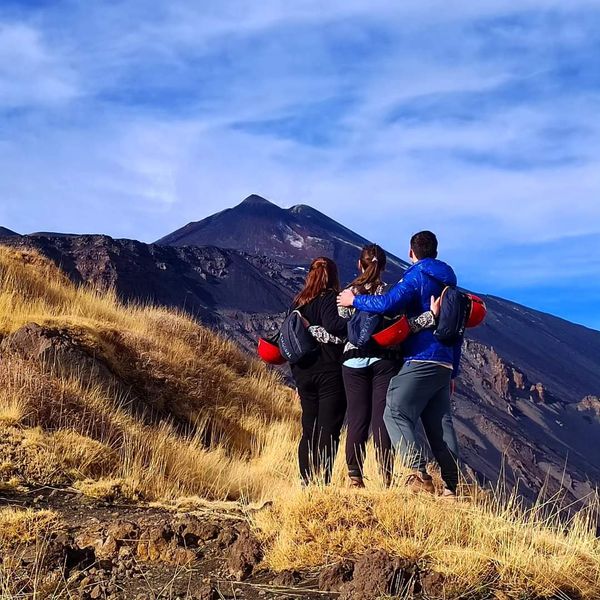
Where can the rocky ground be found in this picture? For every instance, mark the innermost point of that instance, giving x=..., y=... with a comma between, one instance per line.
x=105, y=550
x=121, y=552
x=115, y=551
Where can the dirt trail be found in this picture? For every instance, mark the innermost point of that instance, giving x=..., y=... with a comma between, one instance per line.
x=123, y=551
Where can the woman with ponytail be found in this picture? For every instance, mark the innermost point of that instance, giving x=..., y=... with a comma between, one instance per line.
x=318, y=376
x=367, y=374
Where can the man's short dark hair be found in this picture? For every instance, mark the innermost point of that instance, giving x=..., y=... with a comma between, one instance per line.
x=424, y=245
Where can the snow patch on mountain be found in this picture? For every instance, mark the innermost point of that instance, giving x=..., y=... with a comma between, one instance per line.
x=294, y=239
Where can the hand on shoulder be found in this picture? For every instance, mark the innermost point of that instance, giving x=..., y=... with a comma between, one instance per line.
x=434, y=306
x=346, y=298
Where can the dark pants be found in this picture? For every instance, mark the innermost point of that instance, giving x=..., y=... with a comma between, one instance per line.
x=323, y=408
x=366, y=391
x=422, y=391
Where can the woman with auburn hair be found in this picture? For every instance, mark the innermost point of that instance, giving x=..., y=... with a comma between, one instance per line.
x=318, y=376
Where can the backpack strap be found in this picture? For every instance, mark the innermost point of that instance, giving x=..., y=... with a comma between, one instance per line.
x=297, y=310
x=317, y=331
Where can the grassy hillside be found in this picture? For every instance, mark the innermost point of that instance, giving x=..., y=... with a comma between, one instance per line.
x=181, y=412
x=145, y=403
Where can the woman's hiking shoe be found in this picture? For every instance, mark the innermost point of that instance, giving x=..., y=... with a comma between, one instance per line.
x=449, y=495
x=357, y=483
x=418, y=482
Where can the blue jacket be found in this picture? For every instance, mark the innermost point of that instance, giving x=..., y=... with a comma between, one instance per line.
x=412, y=295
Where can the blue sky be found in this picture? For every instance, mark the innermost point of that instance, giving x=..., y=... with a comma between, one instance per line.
x=479, y=121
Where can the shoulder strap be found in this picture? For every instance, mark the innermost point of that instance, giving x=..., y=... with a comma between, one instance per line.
x=298, y=310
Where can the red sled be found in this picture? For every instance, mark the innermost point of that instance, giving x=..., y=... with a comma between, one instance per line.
x=394, y=334
x=269, y=351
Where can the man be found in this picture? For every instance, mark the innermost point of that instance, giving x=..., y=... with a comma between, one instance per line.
x=422, y=389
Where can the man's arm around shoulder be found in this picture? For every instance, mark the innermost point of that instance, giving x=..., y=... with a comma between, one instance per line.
x=394, y=301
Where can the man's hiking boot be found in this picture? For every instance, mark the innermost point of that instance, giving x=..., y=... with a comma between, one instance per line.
x=356, y=482
x=419, y=482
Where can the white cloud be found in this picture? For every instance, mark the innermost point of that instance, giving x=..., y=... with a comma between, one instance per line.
x=157, y=164
x=31, y=74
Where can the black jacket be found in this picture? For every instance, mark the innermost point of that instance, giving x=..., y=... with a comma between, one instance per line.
x=323, y=311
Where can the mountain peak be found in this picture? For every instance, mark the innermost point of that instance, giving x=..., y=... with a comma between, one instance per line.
x=5, y=232
x=300, y=208
x=304, y=209
x=254, y=200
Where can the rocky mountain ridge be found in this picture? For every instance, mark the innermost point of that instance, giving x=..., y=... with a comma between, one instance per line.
x=527, y=397
x=4, y=232
x=549, y=349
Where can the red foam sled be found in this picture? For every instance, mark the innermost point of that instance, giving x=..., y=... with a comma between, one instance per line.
x=393, y=334
x=268, y=350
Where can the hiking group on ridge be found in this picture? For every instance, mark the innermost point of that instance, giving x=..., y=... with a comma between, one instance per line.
x=379, y=358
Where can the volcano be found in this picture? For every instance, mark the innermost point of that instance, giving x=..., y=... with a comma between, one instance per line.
x=292, y=236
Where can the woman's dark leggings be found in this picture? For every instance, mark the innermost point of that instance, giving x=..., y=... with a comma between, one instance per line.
x=366, y=391
x=323, y=404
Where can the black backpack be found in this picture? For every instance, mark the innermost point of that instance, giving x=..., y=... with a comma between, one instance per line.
x=361, y=327
x=295, y=341
x=454, y=313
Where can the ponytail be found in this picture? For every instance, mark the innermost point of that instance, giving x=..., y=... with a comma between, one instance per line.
x=373, y=261
x=322, y=276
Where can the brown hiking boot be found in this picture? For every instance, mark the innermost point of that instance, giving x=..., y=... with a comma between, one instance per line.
x=357, y=482
x=418, y=482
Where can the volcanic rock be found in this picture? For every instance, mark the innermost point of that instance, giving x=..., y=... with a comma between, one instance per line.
x=244, y=555
x=377, y=574
x=333, y=578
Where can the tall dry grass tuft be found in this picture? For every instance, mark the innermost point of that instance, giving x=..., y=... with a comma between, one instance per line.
x=23, y=525
x=185, y=411
x=478, y=546
x=174, y=410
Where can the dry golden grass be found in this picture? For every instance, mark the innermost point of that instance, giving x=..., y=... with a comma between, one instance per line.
x=194, y=416
x=23, y=540
x=109, y=489
x=23, y=525
x=478, y=545
x=187, y=414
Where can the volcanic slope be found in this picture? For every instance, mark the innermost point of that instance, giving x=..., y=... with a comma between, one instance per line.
x=292, y=236
x=137, y=403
